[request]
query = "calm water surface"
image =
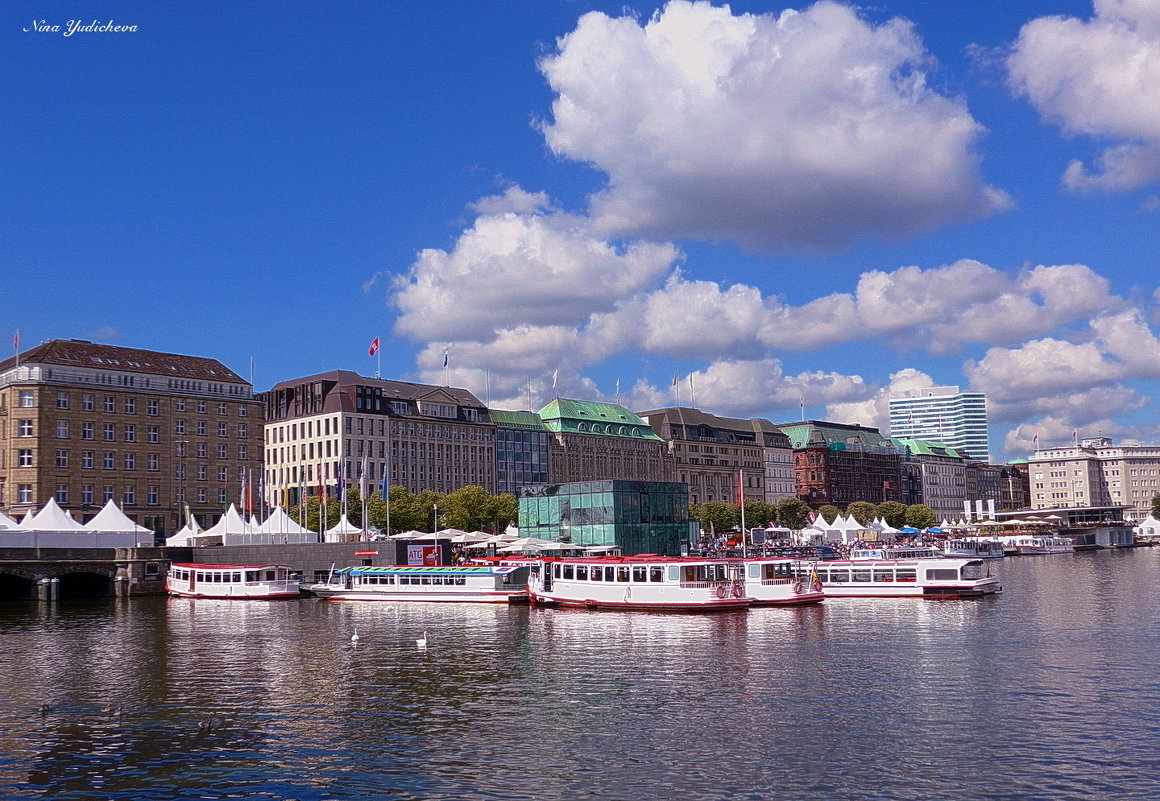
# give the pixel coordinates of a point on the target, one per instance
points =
(1049, 691)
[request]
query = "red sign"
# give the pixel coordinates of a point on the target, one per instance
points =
(423, 555)
(366, 553)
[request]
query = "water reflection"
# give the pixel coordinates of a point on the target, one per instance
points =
(1046, 692)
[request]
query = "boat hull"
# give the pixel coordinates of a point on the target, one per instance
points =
(715, 605)
(421, 597)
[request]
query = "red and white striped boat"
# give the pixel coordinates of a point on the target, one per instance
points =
(644, 582)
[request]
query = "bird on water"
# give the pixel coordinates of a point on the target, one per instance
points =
(422, 643)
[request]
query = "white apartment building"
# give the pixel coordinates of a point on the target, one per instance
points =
(1094, 472)
(943, 415)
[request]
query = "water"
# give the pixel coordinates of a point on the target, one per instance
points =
(1049, 691)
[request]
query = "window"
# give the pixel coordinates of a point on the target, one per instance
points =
(130, 461)
(62, 458)
(152, 463)
(107, 493)
(201, 407)
(62, 429)
(201, 428)
(223, 429)
(107, 460)
(130, 405)
(110, 404)
(151, 407)
(201, 495)
(87, 494)
(24, 428)
(243, 452)
(129, 496)
(87, 460)
(87, 402)
(153, 434)
(62, 400)
(201, 450)
(62, 493)
(26, 400)
(86, 430)
(223, 474)
(179, 405)
(242, 432)
(110, 432)
(201, 472)
(24, 458)
(223, 451)
(223, 496)
(24, 493)
(241, 410)
(152, 495)
(179, 427)
(130, 433)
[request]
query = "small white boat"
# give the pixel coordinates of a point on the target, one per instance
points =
(973, 548)
(775, 582)
(194, 580)
(1035, 544)
(644, 582)
(896, 552)
(492, 584)
(891, 578)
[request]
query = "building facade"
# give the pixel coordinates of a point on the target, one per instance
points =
(942, 475)
(839, 463)
(590, 441)
(635, 516)
(1093, 472)
(943, 415)
(521, 450)
(334, 428)
(86, 423)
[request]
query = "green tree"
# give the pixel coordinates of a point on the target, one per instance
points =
(893, 512)
(828, 513)
(506, 510)
(759, 513)
(717, 516)
(793, 513)
(920, 516)
(1156, 506)
(863, 512)
(468, 509)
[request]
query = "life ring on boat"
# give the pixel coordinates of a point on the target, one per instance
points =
(816, 586)
(797, 588)
(722, 591)
(738, 590)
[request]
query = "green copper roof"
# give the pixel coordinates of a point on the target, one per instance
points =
(920, 447)
(590, 417)
(506, 419)
(835, 436)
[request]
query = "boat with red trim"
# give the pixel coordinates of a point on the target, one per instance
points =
(893, 578)
(775, 582)
(249, 582)
(643, 582)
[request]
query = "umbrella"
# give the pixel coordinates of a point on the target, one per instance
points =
(908, 530)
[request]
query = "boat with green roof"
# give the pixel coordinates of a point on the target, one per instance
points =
(489, 584)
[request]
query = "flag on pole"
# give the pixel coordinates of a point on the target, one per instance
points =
(383, 491)
(362, 479)
(374, 348)
(340, 485)
(445, 355)
(16, 340)
(321, 489)
(555, 377)
(676, 379)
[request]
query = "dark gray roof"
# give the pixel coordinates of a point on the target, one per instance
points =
(81, 353)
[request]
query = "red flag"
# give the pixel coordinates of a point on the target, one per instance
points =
(374, 348)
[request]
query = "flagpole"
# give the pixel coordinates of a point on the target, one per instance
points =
(692, 393)
(741, 501)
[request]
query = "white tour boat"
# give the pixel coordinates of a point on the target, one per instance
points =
(1034, 544)
(645, 582)
(775, 582)
(192, 580)
(973, 548)
(896, 552)
(889, 578)
(494, 584)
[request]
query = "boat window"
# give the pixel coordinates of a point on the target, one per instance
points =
(674, 573)
(425, 580)
(597, 574)
(886, 574)
(251, 575)
(235, 577)
(839, 576)
(610, 574)
(974, 570)
(269, 575)
(639, 573)
(937, 574)
(862, 574)
(622, 574)
(656, 573)
(690, 574)
(581, 572)
(904, 574)
(460, 581)
(556, 570)
(568, 571)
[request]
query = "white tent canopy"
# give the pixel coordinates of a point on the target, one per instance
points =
(52, 518)
(111, 519)
(343, 531)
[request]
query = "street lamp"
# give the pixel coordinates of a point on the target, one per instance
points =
(181, 504)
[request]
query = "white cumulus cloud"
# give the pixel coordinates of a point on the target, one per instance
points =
(808, 129)
(1101, 78)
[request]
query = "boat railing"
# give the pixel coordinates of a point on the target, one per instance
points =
(773, 582)
(705, 585)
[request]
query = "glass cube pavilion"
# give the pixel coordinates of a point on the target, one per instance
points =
(636, 516)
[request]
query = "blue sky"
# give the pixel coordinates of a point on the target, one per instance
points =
(819, 202)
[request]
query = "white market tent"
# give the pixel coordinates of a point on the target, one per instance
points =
(279, 527)
(343, 531)
(53, 527)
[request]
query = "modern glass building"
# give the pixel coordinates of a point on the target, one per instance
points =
(636, 516)
(943, 415)
(521, 450)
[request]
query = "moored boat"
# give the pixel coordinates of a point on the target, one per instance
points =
(891, 578)
(1038, 544)
(973, 548)
(195, 580)
(775, 582)
(896, 552)
(644, 582)
(495, 584)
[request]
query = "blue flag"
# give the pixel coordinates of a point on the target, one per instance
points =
(383, 484)
(340, 487)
